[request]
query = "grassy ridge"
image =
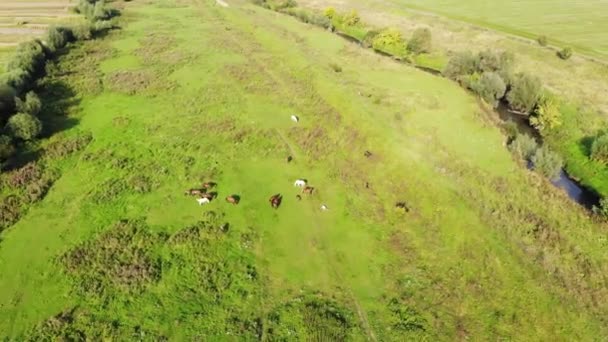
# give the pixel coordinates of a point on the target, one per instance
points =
(486, 251)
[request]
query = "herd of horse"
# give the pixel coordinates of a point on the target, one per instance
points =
(204, 195)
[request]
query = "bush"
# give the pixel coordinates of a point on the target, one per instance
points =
(420, 41)
(351, 19)
(542, 40)
(523, 146)
(490, 87)
(6, 147)
(335, 67)
(10, 211)
(525, 93)
(58, 37)
(462, 63)
(103, 25)
(25, 64)
(602, 208)
(330, 13)
(547, 162)
(24, 126)
(31, 105)
(320, 20)
(565, 53)
(599, 149)
(7, 101)
(493, 61)
(390, 40)
(82, 31)
(546, 116)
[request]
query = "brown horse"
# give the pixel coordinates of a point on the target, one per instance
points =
(208, 195)
(194, 192)
(289, 159)
(308, 190)
(275, 200)
(233, 199)
(208, 185)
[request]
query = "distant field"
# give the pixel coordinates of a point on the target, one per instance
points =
(581, 24)
(21, 20)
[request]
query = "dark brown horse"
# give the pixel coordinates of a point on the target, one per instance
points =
(208, 185)
(233, 199)
(209, 195)
(275, 200)
(289, 159)
(402, 205)
(308, 190)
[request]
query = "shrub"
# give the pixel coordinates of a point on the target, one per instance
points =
(565, 53)
(546, 116)
(58, 37)
(6, 147)
(10, 211)
(31, 105)
(25, 64)
(24, 126)
(64, 147)
(7, 101)
(29, 173)
(547, 162)
(602, 208)
(599, 149)
(351, 18)
(490, 87)
(320, 20)
(329, 13)
(462, 63)
(523, 146)
(420, 41)
(335, 67)
(390, 40)
(82, 31)
(525, 93)
(493, 61)
(542, 40)
(103, 25)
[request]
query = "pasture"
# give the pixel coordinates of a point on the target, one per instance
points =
(189, 91)
(580, 24)
(20, 20)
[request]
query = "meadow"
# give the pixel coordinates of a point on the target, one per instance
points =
(580, 24)
(188, 91)
(21, 20)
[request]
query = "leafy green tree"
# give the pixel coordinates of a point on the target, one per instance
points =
(351, 18)
(82, 31)
(6, 147)
(57, 38)
(525, 93)
(523, 146)
(546, 116)
(599, 149)
(7, 101)
(420, 41)
(547, 162)
(490, 87)
(330, 13)
(461, 64)
(565, 53)
(390, 40)
(31, 105)
(24, 126)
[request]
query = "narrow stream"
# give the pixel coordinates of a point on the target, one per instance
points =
(581, 195)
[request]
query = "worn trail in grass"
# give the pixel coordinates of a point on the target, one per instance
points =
(195, 91)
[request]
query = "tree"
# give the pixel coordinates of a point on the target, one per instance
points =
(420, 41)
(351, 19)
(461, 64)
(7, 101)
(599, 149)
(6, 147)
(490, 87)
(547, 162)
(542, 40)
(546, 116)
(31, 105)
(390, 40)
(82, 31)
(24, 126)
(330, 13)
(523, 146)
(525, 93)
(565, 53)
(56, 38)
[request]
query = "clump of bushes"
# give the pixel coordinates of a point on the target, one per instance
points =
(523, 146)
(525, 93)
(565, 53)
(546, 115)
(7, 149)
(599, 149)
(24, 126)
(390, 40)
(10, 211)
(490, 87)
(542, 40)
(547, 162)
(420, 41)
(351, 18)
(31, 104)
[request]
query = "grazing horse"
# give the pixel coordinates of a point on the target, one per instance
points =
(294, 118)
(402, 205)
(308, 190)
(193, 192)
(289, 159)
(300, 183)
(233, 199)
(208, 195)
(208, 185)
(275, 200)
(323, 207)
(202, 200)
(367, 154)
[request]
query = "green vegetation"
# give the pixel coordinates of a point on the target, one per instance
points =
(547, 115)
(24, 126)
(599, 149)
(523, 146)
(565, 53)
(420, 41)
(525, 93)
(542, 40)
(193, 92)
(547, 162)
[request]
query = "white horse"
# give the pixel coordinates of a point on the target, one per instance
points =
(323, 207)
(202, 201)
(300, 183)
(294, 118)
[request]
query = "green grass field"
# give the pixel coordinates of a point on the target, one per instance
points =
(580, 24)
(188, 91)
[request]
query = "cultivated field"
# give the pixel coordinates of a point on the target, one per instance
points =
(20, 20)
(580, 24)
(189, 91)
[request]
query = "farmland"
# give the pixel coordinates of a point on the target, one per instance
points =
(188, 92)
(581, 24)
(20, 20)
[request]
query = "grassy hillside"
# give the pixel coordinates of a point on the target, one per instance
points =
(189, 91)
(580, 24)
